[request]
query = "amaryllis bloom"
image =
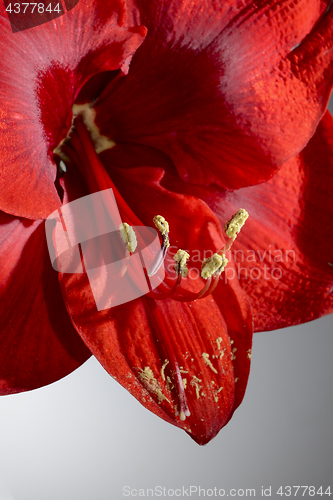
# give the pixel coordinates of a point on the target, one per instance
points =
(188, 111)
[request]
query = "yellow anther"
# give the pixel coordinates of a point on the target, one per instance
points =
(181, 258)
(128, 236)
(214, 265)
(235, 224)
(163, 228)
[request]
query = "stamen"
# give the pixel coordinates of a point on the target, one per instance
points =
(187, 296)
(181, 258)
(81, 151)
(181, 269)
(158, 261)
(213, 266)
(128, 236)
(211, 285)
(163, 228)
(168, 294)
(232, 228)
(216, 267)
(235, 224)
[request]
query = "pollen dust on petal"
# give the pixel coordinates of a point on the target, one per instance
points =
(147, 378)
(219, 341)
(170, 385)
(216, 394)
(208, 362)
(195, 382)
(163, 368)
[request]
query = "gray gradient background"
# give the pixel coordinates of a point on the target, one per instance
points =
(85, 437)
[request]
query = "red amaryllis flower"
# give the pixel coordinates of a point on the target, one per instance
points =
(213, 113)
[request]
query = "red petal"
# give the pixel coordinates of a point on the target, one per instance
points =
(192, 227)
(284, 255)
(127, 339)
(38, 344)
(42, 71)
(222, 89)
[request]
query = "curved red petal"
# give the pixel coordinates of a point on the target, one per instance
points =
(284, 258)
(222, 89)
(38, 344)
(196, 229)
(124, 340)
(42, 70)
(127, 339)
